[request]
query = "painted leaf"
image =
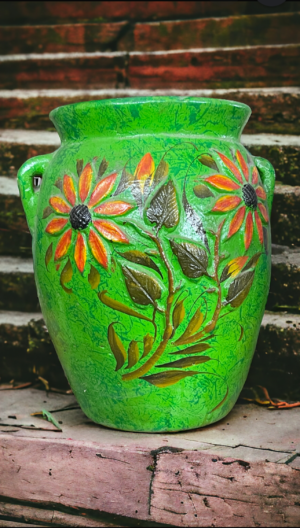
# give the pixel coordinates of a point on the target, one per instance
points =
(116, 347)
(233, 268)
(47, 211)
(79, 166)
(221, 402)
(200, 347)
(192, 259)
(202, 191)
(138, 257)
(133, 354)
(242, 333)
(178, 314)
(49, 254)
(125, 182)
(148, 344)
(66, 276)
(253, 261)
(102, 168)
(94, 278)
(163, 208)
(208, 161)
(137, 195)
(161, 173)
(239, 289)
(185, 362)
(120, 307)
(193, 326)
(194, 220)
(59, 184)
(144, 170)
(169, 377)
(142, 288)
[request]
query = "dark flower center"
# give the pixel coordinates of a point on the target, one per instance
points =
(80, 217)
(249, 196)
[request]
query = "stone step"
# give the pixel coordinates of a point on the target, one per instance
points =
(274, 110)
(230, 31)
(27, 352)
(237, 67)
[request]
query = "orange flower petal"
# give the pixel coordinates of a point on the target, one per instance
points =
(236, 265)
(69, 189)
(98, 249)
(110, 231)
(113, 208)
(85, 181)
(56, 225)
(248, 230)
(59, 205)
(259, 227)
(222, 182)
(243, 164)
(231, 166)
(261, 193)
(80, 252)
(63, 245)
(226, 203)
(102, 189)
(237, 221)
(255, 176)
(264, 212)
(144, 169)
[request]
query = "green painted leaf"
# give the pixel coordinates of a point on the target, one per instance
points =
(79, 167)
(200, 347)
(161, 173)
(148, 344)
(59, 184)
(133, 354)
(239, 289)
(163, 209)
(49, 254)
(102, 168)
(125, 182)
(138, 257)
(208, 161)
(48, 416)
(120, 307)
(202, 191)
(66, 276)
(192, 259)
(47, 211)
(194, 220)
(116, 346)
(185, 362)
(169, 377)
(178, 314)
(94, 278)
(253, 261)
(142, 288)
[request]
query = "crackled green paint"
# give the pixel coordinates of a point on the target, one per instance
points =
(124, 373)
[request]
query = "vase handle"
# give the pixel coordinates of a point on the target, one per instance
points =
(267, 173)
(29, 192)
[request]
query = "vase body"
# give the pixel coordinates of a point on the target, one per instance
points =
(151, 248)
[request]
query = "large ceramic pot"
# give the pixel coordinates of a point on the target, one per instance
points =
(151, 248)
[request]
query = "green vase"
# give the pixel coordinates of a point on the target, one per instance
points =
(151, 249)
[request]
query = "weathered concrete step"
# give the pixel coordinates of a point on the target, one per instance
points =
(27, 352)
(231, 31)
(17, 286)
(252, 66)
(274, 110)
(285, 281)
(62, 12)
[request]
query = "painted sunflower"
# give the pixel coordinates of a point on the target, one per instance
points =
(80, 210)
(248, 198)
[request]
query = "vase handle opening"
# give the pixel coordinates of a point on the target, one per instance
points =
(267, 174)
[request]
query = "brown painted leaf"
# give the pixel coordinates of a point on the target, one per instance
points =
(47, 211)
(125, 182)
(185, 362)
(208, 161)
(148, 344)
(120, 307)
(142, 288)
(94, 278)
(161, 173)
(170, 377)
(138, 257)
(116, 346)
(202, 191)
(163, 209)
(79, 167)
(194, 220)
(221, 402)
(239, 289)
(200, 347)
(66, 276)
(242, 333)
(192, 259)
(59, 184)
(49, 254)
(133, 354)
(253, 261)
(102, 168)
(193, 326)
(178, 314)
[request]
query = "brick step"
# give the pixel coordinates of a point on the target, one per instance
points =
(63, 12)
(239, 67)
(27, 352)
(274, 110)
(154, 36)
